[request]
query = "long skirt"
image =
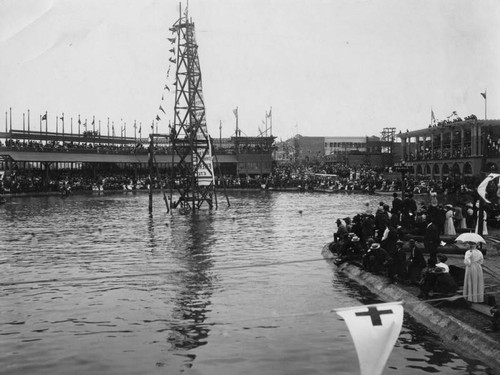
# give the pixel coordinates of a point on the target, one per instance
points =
(474, 283)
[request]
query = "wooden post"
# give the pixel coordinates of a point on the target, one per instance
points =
(150, 161)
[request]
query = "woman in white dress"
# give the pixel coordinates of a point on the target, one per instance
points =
(474, 279)
(449, 226)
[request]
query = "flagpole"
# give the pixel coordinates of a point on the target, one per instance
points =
(71, 120)
(57, 124)
(79, 123)
(23, 124)
(28, 121)
(62, 120)
(485, 104)
(6, 122)
(99, 131)
(10, 109)
(220, 133)
(271, 121)
(40, 125)
(46, 127)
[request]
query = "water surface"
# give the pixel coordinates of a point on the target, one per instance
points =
(95, 284)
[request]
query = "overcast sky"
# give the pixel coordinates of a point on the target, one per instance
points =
(327, 68)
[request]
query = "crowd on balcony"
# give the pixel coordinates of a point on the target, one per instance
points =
(104, 148)
(454, 152)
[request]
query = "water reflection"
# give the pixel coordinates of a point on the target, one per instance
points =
(192, 248)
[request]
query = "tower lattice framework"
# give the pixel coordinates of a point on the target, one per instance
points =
(193, 174)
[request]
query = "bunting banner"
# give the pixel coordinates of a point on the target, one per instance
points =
(481, 189)
(374, 330)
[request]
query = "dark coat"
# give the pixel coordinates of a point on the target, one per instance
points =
(397, 205)
(431, 238)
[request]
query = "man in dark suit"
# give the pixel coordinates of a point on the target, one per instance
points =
(397, 203)
(432, 240)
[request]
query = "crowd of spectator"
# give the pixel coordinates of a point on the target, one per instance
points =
(374, 241)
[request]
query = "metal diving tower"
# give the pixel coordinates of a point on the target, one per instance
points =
(193, 175)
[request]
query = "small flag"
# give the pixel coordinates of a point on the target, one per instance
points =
(44, 117)
(269, 114)
(374, 330)
(79, 122)
(173, 29)
(483, 94)
(433, 118)
(235, 111)
(172, 50)
(161, 109)
(158, 118)
(171, 60)
(140, 128)
(167, 88)
(62, 118)
(171, 40)
(93, 121)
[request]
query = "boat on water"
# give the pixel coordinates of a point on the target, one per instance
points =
(389, 193)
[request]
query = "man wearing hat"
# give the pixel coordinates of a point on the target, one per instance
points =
(432, 240)
(341, 231)
(416, 263)
(352, 252)
(375, 259)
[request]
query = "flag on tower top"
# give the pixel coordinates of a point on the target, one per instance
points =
(374, 330)
(44, 117)
(483, 94)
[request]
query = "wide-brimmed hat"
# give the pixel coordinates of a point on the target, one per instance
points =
(375, 246)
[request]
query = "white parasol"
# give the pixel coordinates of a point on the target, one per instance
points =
(470, 237)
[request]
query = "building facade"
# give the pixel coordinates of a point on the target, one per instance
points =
(454, 149)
